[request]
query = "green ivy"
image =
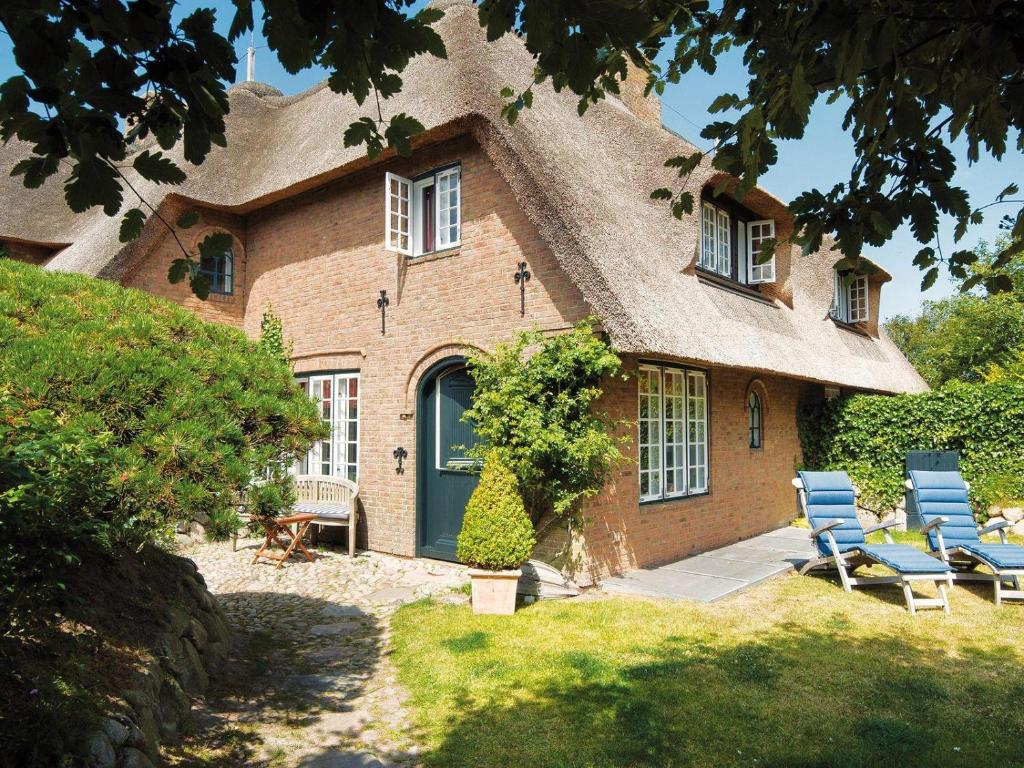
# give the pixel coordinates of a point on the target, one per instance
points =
(535, 400)
(869, 437)
(272, 339)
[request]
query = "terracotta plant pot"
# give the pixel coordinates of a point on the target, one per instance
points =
(494, 592)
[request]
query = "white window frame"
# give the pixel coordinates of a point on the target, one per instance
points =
(676, 443)
(397, 234)
(858, 301)
(850, 302)
(408, 228)
(716, 240)
(759, 273)
(443, 230)
(709, 240)
(344, 424)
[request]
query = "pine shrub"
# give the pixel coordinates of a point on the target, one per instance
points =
(496, 532)
(122, 414)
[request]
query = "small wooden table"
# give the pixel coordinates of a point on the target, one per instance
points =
(279, 526)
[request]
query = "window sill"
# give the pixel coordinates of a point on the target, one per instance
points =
(728, 284)
(225, 298)
(668, 499)
(857, 328)
(455, 250)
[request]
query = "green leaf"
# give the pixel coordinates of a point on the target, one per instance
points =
(180, 269)
(188, 219)
(929, 278)
(200, 285)
(132, 224)
(93, 182)
(158, 168)
(215, 244)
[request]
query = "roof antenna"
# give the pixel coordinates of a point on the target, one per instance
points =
(250, 59)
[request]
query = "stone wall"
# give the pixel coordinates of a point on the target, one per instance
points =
(154, 706)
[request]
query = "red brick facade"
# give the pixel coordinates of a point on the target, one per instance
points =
(319, 260)
(749, 489)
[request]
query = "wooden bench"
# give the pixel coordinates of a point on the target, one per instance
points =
(333, 501)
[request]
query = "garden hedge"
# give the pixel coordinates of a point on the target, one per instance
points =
(870, 435)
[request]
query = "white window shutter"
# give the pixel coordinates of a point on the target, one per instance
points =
(757, 233)
(397, 212)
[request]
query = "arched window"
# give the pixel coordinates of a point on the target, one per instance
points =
(754, 411)
(219, 268)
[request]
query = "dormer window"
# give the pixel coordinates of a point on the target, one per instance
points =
(850, 297)
(423, 215)
(730, 244)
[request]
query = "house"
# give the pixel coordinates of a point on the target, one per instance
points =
(387, 272)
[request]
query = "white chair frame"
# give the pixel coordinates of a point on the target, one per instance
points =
(958, 557)
(845, 564)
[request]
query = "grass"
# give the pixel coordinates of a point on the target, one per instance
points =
(791, 673)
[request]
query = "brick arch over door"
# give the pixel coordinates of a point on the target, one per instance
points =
(427, 361)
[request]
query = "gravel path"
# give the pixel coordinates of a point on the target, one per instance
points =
(310, 684)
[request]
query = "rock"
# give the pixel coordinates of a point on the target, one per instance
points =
(200, 517)
(195, 680)
(1014, 514)
(215, 626)
(338, 628)
(175, 710)
(994, 510)
(197, 634)
(177, 620)
(214, 655)
(117, 732)
(133, 758)
(100, 752)
(392, 595)
(1018, 529)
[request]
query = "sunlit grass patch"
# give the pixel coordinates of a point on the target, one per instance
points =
(793, 672)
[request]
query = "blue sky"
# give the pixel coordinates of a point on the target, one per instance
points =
(822, 158)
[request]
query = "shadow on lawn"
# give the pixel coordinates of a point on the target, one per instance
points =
(284, 691)
(792, 698)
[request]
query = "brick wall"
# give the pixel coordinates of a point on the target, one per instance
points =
(150, 274)
(750, 489)
(319, 260)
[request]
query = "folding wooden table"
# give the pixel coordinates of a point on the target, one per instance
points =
(278, 527)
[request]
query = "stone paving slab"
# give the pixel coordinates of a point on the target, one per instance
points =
(720, 572)
(709, 565)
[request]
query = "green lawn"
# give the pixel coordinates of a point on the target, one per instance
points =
(792, 673)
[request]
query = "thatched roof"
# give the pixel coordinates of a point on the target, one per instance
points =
(585, 183)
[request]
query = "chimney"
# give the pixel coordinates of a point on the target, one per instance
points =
(631, 91)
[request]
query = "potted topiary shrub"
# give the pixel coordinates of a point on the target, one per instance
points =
(496, 538)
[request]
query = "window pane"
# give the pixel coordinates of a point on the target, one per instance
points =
(697, 430)
(675, 431)
(708, 232)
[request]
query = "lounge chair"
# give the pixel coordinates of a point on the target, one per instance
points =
(828, 501)
(955, 537)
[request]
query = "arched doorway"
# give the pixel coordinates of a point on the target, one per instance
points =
(445, 478)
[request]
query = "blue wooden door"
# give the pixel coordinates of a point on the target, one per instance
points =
(448, 477)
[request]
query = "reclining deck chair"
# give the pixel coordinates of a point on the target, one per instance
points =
(827, 499)
(954, 536)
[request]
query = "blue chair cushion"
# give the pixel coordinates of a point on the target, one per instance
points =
(829, 496)
(1002, 556)
(902, 558)
(330, 509)
(944, 494)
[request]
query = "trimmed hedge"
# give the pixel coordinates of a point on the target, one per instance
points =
(496, 532)
(869, 436)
